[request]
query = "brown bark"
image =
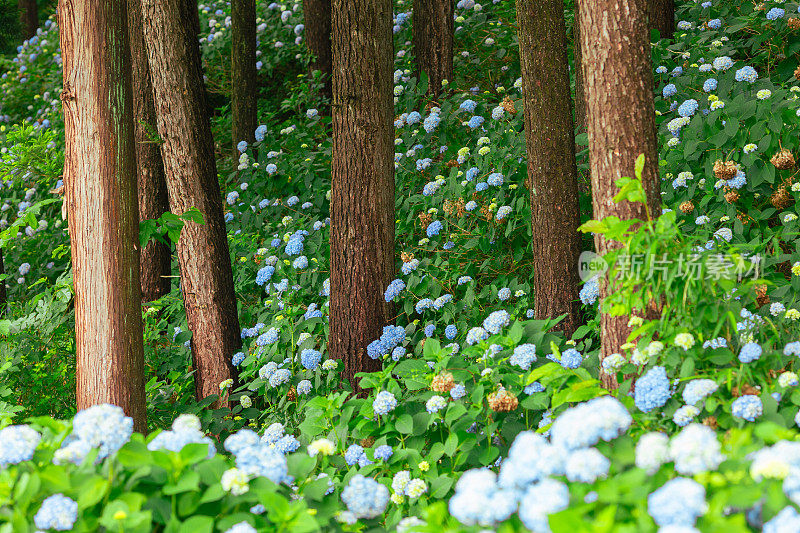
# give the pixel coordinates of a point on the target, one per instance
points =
(433, 42)
(155, 261)
(580, 97)
(28, 17)
(362, 180)
(3, 293)
(244, 78)
(662, 17)
(100, 185)
(191, 172)
(317, 20)
(550, 142)
(618, 75)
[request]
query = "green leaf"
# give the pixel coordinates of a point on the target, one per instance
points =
(404, 424)
(639, 166)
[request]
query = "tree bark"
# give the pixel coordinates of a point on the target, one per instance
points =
(155, 262)
(552, 173)
(362, 179)
(432, 37)
(170, 31)
(317, 20)
(28, 17)
(244, 78)
(100, 185)
(662, 17)
(618, 75)
(580, 97)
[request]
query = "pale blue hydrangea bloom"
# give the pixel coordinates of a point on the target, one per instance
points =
(57, 512)
(365, 497)
(652, 389)
(679, 501)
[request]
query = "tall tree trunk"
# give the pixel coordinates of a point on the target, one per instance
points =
(3, 293)
(618, 74)
(100, 185)
(433, 41)
(362, 180)
(317, 19)
(550, 141)
(155, 261)
(28, 17)
(244, 78)
(170, 31)
(662, 17)
(580, 97)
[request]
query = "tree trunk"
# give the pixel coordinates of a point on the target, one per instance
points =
(155, 261)
(550, 141)
(580, 97)
(618, 75)
(362, 180)
(433, 42)
(3, 293)
(662, 17)
(100, 185)
(170, 31)
(28, 17)
(317, 19)
(244, 78)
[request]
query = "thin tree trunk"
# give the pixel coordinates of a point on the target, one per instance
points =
(618, 74)
(317, 19)
(662, 17)
(244, 78)
(100, 185)
(155, 262)
(170, 30)
(550, 141)
(3, 293)
(433, 41)
(28, 17)
(362, 178)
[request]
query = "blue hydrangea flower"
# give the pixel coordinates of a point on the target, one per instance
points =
(17, 444)
(458, 391)
(434, 228)
(652, 389)
(384, 403)
(310, 359)
(429, 329)
(792, 348)
(688, 108)
(590, 291)
(468, 106)
(475, 121)
(394, 289)
(679, 502)
(586, 466)
(450, 332)
(747, 74)
(383, 452)
(504, 294)
(669, 90)
(710, 85)
(57, 512)
(264, 274)
(748, 407)
(775, 13)
(697, 390)
(496, 321)
(750, 352)
(365, 497)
